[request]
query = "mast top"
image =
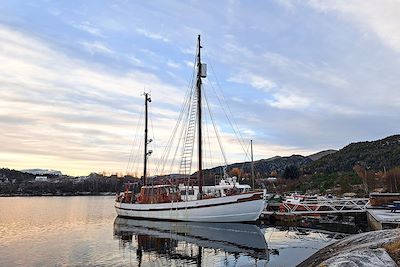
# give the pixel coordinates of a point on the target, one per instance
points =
(202, 67)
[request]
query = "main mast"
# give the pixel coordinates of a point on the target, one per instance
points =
(200, 155)
(146, 141)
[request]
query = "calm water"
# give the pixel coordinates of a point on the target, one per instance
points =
(84, 231)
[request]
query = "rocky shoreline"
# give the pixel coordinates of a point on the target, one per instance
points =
(365, 250)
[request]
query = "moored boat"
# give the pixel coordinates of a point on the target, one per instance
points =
(224, 204)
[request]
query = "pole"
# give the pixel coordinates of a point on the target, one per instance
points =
(146, 100)
(200, 154)
(252, 163)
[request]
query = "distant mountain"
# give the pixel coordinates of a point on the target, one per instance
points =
(273, 158)
(17, 175)
(265, 166)
(321, 154)
(42, 172)
(375, 155)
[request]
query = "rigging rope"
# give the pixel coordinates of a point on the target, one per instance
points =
(233, 124)
(153, 142)
(163, 160)
(215, 130)
(134, 144)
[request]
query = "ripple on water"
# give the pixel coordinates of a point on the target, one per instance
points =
(81, 231)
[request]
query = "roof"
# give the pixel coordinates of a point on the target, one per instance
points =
(157, 186)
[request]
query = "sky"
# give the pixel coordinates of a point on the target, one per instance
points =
(297, 77)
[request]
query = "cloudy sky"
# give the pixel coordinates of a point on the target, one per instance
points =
(298, 76)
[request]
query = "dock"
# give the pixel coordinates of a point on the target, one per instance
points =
(331, 206)
(376, 210)
(380, 219)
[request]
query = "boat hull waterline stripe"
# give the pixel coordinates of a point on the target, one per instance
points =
(255, 197)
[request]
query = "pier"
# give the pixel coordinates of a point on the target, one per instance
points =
(329, 206)
(377, 211)
(379, 219)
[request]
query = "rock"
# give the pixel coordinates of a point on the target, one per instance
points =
(366, 258)
(363, 249)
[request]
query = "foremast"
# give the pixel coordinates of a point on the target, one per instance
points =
(147, 99)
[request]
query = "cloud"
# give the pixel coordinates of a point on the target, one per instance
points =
(86, 26)
(135, 60)
(96, 48)
(324, 74)
(380, 17)
(289, 100)
(237, 99)
(70, 114)
(258, 82)
(189, 64)
(173, 64)
(152, 35)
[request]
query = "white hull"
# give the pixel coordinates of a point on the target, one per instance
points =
(245, 207)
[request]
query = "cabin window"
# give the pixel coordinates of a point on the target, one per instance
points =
(191, 192)
(173, 189)
(183, 192)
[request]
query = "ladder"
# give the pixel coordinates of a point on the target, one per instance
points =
(188, 143)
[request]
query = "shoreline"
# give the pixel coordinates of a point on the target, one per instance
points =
(60, 195)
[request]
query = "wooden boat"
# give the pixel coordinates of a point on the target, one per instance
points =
(165, 202)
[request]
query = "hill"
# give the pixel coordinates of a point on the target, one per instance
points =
(264, 167)
(42, 172)
(321, 154)
(374, 155)
(17, 175)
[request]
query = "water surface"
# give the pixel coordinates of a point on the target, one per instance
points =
(84, 231)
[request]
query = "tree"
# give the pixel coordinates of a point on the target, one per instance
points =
(362, 173)
(235, 172)
(291, 172)
(393, 179)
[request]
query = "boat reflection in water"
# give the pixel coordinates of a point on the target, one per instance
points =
(192, 243)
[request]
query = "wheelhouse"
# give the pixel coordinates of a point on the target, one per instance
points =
(159, 194)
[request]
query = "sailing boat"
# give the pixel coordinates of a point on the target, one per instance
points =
(164, 202)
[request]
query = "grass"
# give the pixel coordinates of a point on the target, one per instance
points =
(394, 250)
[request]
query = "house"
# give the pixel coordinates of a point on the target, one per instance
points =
(41, 178)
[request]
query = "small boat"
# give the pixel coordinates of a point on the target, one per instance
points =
(229, 237)
(165, 202)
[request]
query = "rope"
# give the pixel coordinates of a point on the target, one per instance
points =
(222, 102)
(216, 130)
(163, 160)
(134, 144)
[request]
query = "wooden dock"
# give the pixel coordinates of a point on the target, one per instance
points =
(380, 219)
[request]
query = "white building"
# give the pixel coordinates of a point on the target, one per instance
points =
(41, 178)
